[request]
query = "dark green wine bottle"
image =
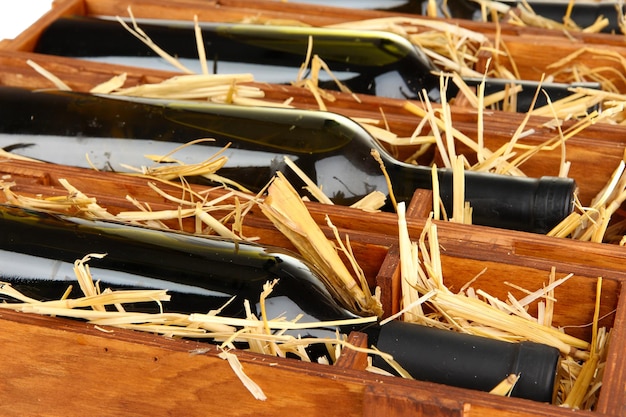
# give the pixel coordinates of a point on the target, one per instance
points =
(334, 151)
(37, 252)
(368, 62)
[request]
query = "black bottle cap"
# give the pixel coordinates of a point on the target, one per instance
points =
(469, 361)
(554, 201)
(536, 365)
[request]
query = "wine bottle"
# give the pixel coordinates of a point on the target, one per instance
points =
(334, 151)
(584, 13)
(37, 251)
(368, 62)
(528, 99)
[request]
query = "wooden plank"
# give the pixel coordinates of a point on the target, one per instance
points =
(59, 367)
(26, 40)
(352, 359)
(391, 402)
(613, 398)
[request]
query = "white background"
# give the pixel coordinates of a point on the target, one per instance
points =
(17, 15)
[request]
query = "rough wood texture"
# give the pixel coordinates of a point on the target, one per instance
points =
(71, 369)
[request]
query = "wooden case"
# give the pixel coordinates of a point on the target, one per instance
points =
(594, 153)
(61, 367)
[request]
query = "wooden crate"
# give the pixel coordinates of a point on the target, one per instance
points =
(58, 367)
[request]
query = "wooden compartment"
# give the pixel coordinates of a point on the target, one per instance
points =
(63, 367)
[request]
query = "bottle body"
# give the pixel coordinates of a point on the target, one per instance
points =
(368, 62)
(334, 151)
(203, 273)
(584, 13)
(527, 99)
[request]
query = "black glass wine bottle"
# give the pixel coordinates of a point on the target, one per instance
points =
(368, 62)
(37, 252)
(334, 151)
(584, 13)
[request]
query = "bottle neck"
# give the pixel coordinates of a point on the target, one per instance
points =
(468, 361)
(519, 203)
